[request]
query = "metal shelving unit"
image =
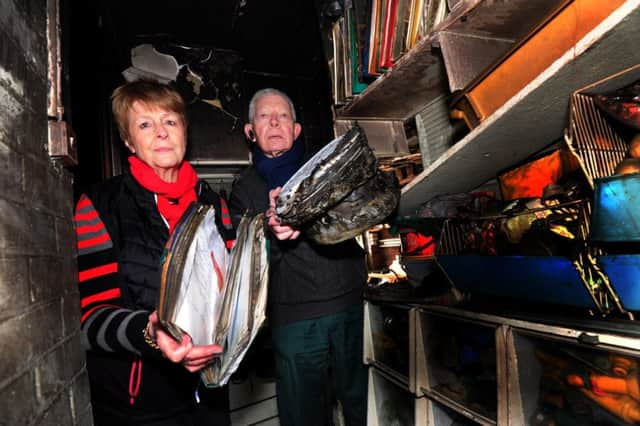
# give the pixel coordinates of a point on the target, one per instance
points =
(536, 116)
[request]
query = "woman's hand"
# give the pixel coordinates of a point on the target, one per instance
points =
(192, 357)
(282, 232)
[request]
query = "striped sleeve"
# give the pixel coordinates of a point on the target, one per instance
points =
(106, 325)
(91, 233)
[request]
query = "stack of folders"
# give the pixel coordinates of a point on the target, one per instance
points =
(214, 296)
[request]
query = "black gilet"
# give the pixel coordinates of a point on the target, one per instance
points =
(139, 234)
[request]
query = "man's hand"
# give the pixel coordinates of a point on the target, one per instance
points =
(192, 357)
(282, 232)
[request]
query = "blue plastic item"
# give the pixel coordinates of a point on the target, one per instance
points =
(616, 209)
(543, 279)
(623, 271)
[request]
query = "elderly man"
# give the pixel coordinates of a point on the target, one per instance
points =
(315, 292)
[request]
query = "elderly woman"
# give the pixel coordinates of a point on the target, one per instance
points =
(138, 374)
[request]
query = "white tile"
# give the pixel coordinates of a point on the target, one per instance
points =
(253, 402)
(249, 391)
(260, 413)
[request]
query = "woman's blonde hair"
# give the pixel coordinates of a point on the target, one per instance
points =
(147, 92)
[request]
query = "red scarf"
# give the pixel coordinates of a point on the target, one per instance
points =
(173, 198)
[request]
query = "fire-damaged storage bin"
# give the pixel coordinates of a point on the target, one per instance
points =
(533, 255)
(591, 275)
(458, 365)
(477, 368)
(616, 217)
(615, 233)
(615, 230)
(391, 403)
(599, 141)
(603, 125)
(389, 343)
(546, 43)
(570, 376)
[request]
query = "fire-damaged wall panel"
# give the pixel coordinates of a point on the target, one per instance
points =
(210, 81)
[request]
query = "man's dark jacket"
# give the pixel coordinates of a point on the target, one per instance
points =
(307, 280)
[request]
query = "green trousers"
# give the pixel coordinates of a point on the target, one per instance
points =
(316, 359)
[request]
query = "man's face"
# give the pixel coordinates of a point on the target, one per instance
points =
(273, 125)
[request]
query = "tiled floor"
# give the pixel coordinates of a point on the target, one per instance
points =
(253, 402)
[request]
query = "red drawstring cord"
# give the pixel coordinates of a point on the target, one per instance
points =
(136, 371)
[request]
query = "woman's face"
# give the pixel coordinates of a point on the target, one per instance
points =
(157, 137)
